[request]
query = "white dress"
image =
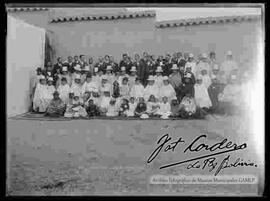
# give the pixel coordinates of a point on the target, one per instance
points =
(151, 90)
(90, 86)
(206, 80)
(50, 91)
(159, 80)
(137, 91)
(105, 87)
(164, 109)
(105, 102)
(41, 99)
(77, 89)
(132, 107)
(64, 92)
(201, 96)
(168, 91)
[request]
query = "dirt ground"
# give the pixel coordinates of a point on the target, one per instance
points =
(108, 157)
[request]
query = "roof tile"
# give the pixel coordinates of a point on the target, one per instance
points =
(206, 20)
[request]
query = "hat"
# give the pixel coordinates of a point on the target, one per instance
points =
(77, 76)
(50, 79)
(213, 76)
(55, 92)
(78, 67)
(42, 77)
(204, 55)
(133, 69)
(215, 67)
(95, 69)
(174, 67)
(165, 78)
(123, 68)
(64, 69)
(190, 55)
(188, 75)
(104, 77)
(159, 69)
(39, 69)
(199, 77)
(109, 68)
(151, 77)
(233, 77)
(144, 116)
(229, 53)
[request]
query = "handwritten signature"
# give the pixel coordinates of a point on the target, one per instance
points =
(225, 146)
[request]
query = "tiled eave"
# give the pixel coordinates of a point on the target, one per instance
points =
(113, 16)
(26, 9)
(206, 20)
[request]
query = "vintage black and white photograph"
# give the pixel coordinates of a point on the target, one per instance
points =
(135, 100)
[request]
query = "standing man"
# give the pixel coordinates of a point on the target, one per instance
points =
(114, 65)
(83, 62)
(175, 79)
(181, 62)
(142, 70)
(58, 65)
(167, 65)
(69, 64)
(212, 59)
(75, 61)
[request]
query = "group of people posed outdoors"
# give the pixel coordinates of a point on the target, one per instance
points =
(176, 85)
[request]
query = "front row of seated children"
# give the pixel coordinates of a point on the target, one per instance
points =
(92, 105)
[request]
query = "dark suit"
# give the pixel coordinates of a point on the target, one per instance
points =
(56, 67)
(142, 71)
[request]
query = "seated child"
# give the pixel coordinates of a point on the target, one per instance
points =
(140, 108)
(112, 110)
(152, 106)
(188, 108)
(124, 88)
(164, 108)
(174, 108)
(77, 109)
(105, 102)
(56, 107)
(69, 112)
(116, 90)
(86, 98)
(92, 109)
(132, 107)
(95, 97)
(124, 107)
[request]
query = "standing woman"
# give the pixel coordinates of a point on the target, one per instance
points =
(40, 102)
